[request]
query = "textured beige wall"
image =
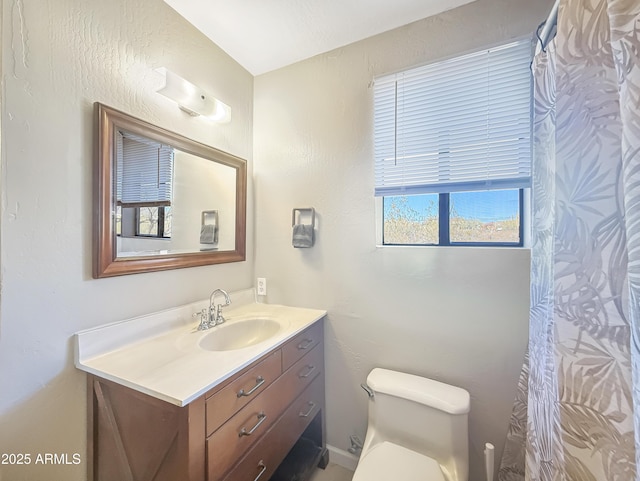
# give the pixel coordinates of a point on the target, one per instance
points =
(58, 57)
(457, 315)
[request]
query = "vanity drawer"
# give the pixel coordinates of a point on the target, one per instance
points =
(236, 436)
(239, 392)
(304, 408)
(262, 460)
(301, 344)
(302, 373)
(226, 445)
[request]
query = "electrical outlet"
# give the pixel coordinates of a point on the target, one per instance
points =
(262, 286)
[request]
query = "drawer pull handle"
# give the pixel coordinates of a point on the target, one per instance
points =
(306, 344)
(259, 382)
(264, 468)
(312, 406)
(244, 432)
(308, 373)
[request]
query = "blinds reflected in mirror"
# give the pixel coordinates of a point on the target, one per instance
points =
(144, 171)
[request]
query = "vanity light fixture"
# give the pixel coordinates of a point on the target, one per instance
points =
(193, 99)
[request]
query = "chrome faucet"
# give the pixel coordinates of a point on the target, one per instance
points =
(213, 316)
(215, 310)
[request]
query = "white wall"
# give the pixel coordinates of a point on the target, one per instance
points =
(458, 315)
(58, 57)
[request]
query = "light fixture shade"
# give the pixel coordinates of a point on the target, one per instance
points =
(193, 99)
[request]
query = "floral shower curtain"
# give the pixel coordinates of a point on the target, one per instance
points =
(577, 414)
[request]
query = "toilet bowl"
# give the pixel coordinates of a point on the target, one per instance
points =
(417, 430)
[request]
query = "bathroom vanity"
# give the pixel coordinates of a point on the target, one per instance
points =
(195, 414)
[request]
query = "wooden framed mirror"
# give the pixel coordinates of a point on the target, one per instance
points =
(154, 194)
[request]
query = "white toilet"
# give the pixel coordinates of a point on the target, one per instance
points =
(418, 430)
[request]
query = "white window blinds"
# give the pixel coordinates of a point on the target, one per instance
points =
(144, 171)
(457, 125)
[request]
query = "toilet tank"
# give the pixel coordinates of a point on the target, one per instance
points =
(423, 415)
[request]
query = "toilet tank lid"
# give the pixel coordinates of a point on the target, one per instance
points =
(450, 399)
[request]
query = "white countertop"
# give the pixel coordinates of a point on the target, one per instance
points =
(159, 354)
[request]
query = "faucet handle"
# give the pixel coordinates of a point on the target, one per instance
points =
(219, 318)
(204, 319)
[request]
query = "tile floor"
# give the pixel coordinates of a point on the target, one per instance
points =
(333, 472)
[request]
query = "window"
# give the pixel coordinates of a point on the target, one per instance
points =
(153, 221)
(453, 149)
(144, 187)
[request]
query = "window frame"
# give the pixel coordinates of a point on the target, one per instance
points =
(161, 223)
(444, 224)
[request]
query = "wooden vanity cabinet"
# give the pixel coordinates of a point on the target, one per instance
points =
(223, 403)
(135, 437)
(241, 430)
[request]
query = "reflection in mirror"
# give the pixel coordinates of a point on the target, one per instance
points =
(209, 228)
(161, 194)
(164, 201)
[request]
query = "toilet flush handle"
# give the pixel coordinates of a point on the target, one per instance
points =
(367, 389)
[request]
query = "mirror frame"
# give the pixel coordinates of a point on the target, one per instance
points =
(106, 263)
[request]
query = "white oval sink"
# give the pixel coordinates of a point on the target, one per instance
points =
(239, 334)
